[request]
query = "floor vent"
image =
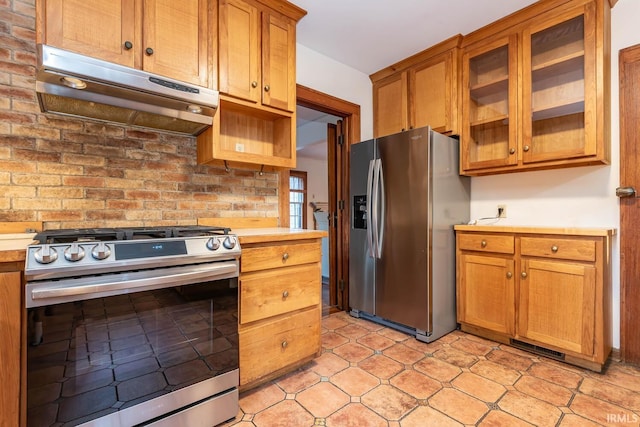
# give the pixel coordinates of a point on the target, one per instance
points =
(538, 350)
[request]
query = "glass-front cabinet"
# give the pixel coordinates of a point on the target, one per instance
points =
(558, 67)
(491, 99)
(537, 96)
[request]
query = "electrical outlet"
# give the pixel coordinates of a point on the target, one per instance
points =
(502, 211)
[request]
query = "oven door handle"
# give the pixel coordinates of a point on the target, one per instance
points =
(60, 291)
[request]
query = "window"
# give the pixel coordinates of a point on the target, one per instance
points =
(297, 199)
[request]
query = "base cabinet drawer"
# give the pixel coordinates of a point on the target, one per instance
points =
(274, 345)
(281, 255)
(272, 292)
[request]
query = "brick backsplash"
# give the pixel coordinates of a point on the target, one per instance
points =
(79, 173)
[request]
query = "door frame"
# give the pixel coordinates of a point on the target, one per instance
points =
(350, 114)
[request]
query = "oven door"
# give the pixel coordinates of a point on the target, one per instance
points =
(129, 348)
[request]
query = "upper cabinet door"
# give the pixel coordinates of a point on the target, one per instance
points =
(559, 63)
(103, 29)
(278, 62)
(390, 105)
(433, 93)
(490, 95)
(239, 61)
(176, 39)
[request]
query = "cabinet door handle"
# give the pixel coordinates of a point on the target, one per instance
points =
(284, 344)
(285, 256)
(483, 243)
(267, 88)
(512, 151)
(509, 275)
(254, 84)
(554, 249)
(525, 148)
(285, 294)
(148, 51)
(524, 274)
(128, 45)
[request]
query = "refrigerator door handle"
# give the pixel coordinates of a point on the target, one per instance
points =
(370, 248)
(380, 226)
(374, 214)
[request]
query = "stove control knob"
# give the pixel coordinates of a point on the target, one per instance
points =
(229, 242)
(73, 253)
(100, 251)
(45, 255)
(213, 244)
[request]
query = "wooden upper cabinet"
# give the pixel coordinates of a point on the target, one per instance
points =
(164, 37)
(176, 39)
(239, 54)
(278, 62)
(490, 100)
(559, 70)
(257, 54)
(551, 109)
(96, 28)
(390, 105)
(421, 90)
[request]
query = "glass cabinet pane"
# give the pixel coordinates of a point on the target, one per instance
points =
(489, 105)
(557, 91)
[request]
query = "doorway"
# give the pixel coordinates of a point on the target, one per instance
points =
(339, 136)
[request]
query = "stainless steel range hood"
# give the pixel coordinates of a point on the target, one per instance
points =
(77, 85)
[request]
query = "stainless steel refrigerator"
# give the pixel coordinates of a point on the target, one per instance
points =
(406, 195)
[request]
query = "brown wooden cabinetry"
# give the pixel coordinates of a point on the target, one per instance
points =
(11, 320)
(535, 89)
(419, 91)
(165, 37)
(280, 307)
(541, 289)
(256, 119)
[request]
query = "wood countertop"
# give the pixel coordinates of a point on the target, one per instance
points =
(13, 246)
(569, 231)
(275, 234)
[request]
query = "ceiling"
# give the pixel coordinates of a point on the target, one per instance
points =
(369, 35)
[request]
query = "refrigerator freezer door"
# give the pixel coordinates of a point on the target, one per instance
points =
(402, 272)
(361, 255)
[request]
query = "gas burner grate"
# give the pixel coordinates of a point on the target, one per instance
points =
(128, 233)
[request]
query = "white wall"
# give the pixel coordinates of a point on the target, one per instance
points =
(319, 72)
(573, 197)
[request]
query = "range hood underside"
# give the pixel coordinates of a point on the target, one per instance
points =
(57, 99)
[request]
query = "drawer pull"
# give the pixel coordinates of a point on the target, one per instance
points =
(554, 249)
(524, 274)
(509, 275)
(483, 243)
(285, 256)
(284, 344)
(285, 294)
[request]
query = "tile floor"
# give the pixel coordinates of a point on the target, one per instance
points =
(369, 375)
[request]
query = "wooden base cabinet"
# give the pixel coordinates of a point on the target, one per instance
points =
(280, 308)
(541, 289)
(12, 348)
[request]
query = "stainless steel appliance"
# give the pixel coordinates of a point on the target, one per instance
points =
(132, 326)
(406, 195)
(77, 85)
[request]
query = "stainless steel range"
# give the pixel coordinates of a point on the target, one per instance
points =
(132, 326)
